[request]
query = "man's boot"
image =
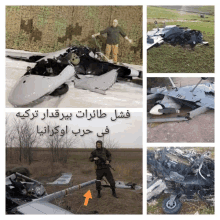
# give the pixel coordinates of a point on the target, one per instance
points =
(99, 194)
(114, 193)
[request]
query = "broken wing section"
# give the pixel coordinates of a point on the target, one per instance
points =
(38, 207)
(98, 84)
(33, 56)
(155, 40)
(42, 205)
(23, 55)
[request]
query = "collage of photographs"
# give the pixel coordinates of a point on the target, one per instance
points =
(101, 120)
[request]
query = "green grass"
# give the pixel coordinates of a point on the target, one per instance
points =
(43, 16)
(20, 40)
(170, 14)
(210, 9)
(207, 210)
(170, 59)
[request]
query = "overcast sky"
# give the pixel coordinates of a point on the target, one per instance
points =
(127, 132)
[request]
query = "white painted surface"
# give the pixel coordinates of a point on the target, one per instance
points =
(64, 179)
(122, 94)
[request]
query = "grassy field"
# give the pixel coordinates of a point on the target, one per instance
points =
(170, 59)
(207, 8)
(154, 206)
(126, 162)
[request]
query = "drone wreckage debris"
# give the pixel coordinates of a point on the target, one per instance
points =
(174, 34)
(180, 173)
(200, 98)
(28, 196)
(54, 70)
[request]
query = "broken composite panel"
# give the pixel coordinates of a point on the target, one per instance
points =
(54, 71)
(28, 196)
(174, 34)
(200, 98)
(182, 174)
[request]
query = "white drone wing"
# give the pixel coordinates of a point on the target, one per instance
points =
(39, 207)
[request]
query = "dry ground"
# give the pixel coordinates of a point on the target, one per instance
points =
(128, 166)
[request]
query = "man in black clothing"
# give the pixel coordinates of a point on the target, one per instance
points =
(113, 32)
(102, 158)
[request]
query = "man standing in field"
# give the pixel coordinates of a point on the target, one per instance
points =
(113, 33)
(102, 158)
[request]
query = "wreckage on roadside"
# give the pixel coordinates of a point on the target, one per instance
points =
(53, 71)
(174, 34)
(200, 98)
(182, 174)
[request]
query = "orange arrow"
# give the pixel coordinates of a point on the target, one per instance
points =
(87, 196)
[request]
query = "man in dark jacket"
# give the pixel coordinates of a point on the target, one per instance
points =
(102, 158)
(113, 32)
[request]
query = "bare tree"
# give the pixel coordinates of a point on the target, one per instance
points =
(67, 142)
(108, 142)
(27, 139)
(9, 138)
(59, 145)
(54, 143)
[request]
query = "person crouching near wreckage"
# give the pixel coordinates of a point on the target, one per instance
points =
(113, 33)
(102, 158)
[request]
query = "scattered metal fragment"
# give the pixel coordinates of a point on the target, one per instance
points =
(122, 185)
(174, 34)
(180, 173)
(98, 84)
(155, 187)
(200, 98)
(53, 72)
(64, 179)
(30, 197)
(160, 120)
